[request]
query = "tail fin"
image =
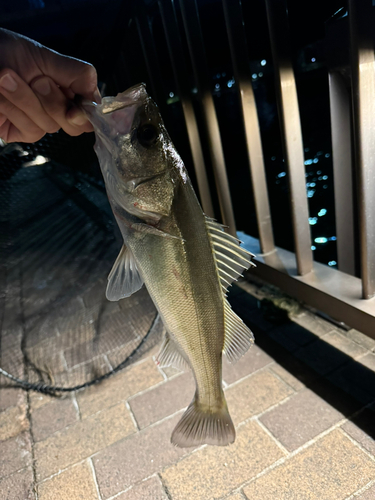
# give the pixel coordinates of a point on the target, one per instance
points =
(199, 426)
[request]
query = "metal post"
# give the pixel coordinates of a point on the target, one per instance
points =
(339, 99)
(363, 94)
(180, 74)
(197, 53)
(242, 74)
(291, 131)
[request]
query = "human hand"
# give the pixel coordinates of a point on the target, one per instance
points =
(37, 88)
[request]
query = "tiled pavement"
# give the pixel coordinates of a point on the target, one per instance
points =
(302, 400)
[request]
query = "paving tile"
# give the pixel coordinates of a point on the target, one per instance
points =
(300, 419)
(357, 380)
(147, 490)
(252, 361)
(75, 330)
(360, 338)
(52, 417)
(345, 345)
(255, 394)
(118, 355)
(292, 336)
(37, 400)
(83, 373)
(13, 421)
(139, 456)
(245, 300)
(81, 440)
(76, 483)
(332, 468)
(171, 371)
(362, 429)
(11, 396)
(236, 496)
(368, 494)
(254, 318)
(213, 472)
(82, 353)
(118, 388)
(288, 377)
(164, 400)
(313, 323)
(321, 356)
(18, 486)
(95, 295)
(369, 361)
(15, 454)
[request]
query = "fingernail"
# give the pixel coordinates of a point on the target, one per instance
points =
(97, 96)
(79, 120)
(8, 83)
(42, 86)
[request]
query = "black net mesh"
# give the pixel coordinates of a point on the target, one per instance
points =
(58, 241)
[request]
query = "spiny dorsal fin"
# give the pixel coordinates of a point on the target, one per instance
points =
(238, 337)
(124, 279)
(169, 355)
(231, 258)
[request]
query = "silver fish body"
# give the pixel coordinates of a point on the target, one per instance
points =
(184, 258)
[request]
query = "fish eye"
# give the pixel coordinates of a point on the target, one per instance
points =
(147, 135)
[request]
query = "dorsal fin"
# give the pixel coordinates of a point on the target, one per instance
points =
(231, 259)
(238, 337)
(124, 279)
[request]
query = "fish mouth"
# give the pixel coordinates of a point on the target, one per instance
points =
(126, 99)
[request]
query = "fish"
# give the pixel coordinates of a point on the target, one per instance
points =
(185, 259)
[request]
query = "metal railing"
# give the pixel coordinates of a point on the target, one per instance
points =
(336, 292)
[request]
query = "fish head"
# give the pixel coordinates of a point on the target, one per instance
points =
(140, 165)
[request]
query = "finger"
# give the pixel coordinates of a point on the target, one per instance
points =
(19, 93)
(3, 119)
(17, 127)
(71, 73)
(59, 107)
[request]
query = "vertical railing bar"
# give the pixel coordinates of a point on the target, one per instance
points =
(197, 53)
(291, 131)
(151, 59)
(180, 74)
(363, 95)
(242, 75)
(339, 99)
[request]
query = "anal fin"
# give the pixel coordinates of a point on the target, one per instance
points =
(238, 337)
(169, 355)
(124, 278)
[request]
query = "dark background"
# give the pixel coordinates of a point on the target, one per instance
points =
(105, 34)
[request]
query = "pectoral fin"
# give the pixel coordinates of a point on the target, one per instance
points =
(124, 279)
